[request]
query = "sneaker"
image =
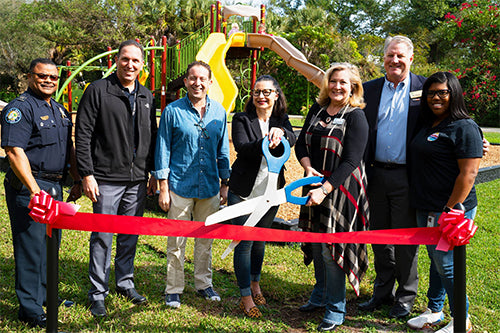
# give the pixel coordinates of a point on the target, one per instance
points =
(209, 294)
(449, 328)
(173, 300)
(426, 319)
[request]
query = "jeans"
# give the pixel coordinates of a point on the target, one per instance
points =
(318, 295)
(441, 268)
(335, 289)
(249, 255)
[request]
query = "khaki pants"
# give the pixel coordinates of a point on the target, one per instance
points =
(188, 209)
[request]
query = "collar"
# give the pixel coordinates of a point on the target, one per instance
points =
(403, 83)
(136, 87)
(207, 103)
(38, 100)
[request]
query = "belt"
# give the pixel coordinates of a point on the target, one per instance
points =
(388, 166)
(52, 176)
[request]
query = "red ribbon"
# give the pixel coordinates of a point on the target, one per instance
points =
(44, 209)
(455, 230)
(62, 215)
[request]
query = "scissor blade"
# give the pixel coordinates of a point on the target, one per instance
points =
(242, 208)
(230, 248)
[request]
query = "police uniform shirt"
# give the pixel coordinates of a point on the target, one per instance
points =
(42, 130)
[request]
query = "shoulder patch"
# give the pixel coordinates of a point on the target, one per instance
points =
(13, 116)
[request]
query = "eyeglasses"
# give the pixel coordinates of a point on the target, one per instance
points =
(45, 76)
(203, 129)
(441, 93)
(265, 92)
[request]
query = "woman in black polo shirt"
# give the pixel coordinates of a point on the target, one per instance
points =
(445, 158)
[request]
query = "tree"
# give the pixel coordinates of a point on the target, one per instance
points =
(18, 47)
(470, 45)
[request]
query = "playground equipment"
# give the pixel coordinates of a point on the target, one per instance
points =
(210, 45)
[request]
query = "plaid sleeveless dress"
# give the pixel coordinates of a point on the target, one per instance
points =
(345, 209)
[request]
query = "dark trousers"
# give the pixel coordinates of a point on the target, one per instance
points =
(115, 199)
(30, 247)
(388, 193)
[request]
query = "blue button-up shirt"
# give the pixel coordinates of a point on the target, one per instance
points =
(191, 152)
(392, 122)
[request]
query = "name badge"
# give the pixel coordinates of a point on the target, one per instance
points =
(338, 121)
(415, 94)
(431, 218)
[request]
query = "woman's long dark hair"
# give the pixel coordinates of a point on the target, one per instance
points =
(279, 108)
(457, 104)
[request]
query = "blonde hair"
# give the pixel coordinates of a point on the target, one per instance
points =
(356, 98)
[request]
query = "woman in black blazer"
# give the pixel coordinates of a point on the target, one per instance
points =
(265, 115)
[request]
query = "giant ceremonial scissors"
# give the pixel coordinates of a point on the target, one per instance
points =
(258, 207)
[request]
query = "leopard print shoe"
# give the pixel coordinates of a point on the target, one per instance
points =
(259, 300)
(254, 312)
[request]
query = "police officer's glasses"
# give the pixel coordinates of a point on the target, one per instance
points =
(441, 93)
(265, 92)
(45, 76)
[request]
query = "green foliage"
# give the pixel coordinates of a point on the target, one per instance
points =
(322, 48)
(286, 283)
(471, 43)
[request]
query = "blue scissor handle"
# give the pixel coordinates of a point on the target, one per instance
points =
(299, 183)
(274, 163)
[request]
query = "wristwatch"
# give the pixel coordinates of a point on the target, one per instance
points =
(446, 209)
(325, 191)
(224, 181)
(77, 182)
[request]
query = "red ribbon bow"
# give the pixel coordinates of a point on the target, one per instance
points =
(44, 209)
(455, 230)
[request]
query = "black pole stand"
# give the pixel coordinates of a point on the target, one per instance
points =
(52, 281)
(459, 285)
(459, 290)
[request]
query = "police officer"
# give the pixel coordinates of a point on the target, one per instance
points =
(36, 137)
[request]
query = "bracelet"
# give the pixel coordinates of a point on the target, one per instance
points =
(224, 181)
(77, 182)
(325, 191)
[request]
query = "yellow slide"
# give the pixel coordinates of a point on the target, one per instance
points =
(213, 52)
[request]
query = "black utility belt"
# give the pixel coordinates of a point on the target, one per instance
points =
(52, 176)
(388, 166)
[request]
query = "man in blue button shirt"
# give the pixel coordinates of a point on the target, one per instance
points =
(192, 153)
(392, 110)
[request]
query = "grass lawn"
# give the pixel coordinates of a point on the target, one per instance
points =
(286, 283)
(492, 137)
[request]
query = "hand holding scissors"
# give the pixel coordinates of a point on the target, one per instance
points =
(258, 207)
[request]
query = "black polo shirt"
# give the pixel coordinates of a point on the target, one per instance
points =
(434, 154)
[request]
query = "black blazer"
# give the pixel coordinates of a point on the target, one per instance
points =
(372, 92)
(247, 141)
